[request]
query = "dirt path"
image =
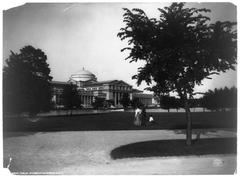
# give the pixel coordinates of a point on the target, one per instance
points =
(87, 152)
(211, 164)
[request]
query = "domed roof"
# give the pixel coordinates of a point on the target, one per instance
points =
(83, 75)
(84, 72)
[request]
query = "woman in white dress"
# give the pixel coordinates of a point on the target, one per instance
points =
(137, 118)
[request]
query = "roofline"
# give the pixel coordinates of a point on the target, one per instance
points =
(59, 82)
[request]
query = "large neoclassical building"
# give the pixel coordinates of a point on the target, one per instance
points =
(89, 88)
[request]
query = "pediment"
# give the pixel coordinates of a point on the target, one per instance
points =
(120, 83)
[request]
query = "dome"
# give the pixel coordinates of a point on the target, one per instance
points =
(83, 75)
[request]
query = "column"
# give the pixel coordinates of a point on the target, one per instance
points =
(131, 96)
(114, 98)
(84, 98)
(118, 98)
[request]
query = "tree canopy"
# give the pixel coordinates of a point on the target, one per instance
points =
(168, 102)
(125, 100)
(71, 97)
(180, 49)
(220, 99)
(26, 82)
(98, 103)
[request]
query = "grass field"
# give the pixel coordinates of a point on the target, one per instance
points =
(122, 121)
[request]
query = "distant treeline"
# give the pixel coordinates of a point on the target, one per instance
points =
(214, 100)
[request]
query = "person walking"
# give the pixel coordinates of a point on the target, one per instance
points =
(137, 117)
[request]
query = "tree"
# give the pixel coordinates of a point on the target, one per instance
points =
(179, 49)
(135, 102)
(165, 102)
(26, 82)
(168, 102)
(125, 100)
(108, 103)
(98, 103)
(71, 97)
(220, 99)
(232, 98)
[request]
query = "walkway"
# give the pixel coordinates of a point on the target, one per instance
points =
(87, 152)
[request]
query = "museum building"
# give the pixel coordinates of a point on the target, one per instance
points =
(89, 88)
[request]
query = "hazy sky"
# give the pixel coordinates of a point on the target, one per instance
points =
(85, 35)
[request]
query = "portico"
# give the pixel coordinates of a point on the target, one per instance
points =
(110, 90)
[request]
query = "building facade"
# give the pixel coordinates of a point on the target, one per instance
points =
(89, 88)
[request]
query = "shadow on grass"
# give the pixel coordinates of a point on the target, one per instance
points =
(176, 147)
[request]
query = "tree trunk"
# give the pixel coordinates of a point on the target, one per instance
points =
(189, 124)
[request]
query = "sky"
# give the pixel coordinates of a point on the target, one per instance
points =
(77, 35)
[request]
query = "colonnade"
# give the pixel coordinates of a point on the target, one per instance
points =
(86, 100)
(117, 97)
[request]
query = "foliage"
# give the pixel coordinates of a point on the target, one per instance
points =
(71, 97)
(26, 82)
(135, 102)
(220, 99)
(166, 102)
(169, 102)
(108, 103)
(194, 102)
(125, 100)
(179, 49)
(98, 103)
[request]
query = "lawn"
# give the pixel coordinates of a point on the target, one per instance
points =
(122, 121)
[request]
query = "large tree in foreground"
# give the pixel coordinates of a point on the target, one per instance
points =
(26, 82)
(180, 49)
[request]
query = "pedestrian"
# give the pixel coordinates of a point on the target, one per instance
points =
(151, 120)
(137, 117)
